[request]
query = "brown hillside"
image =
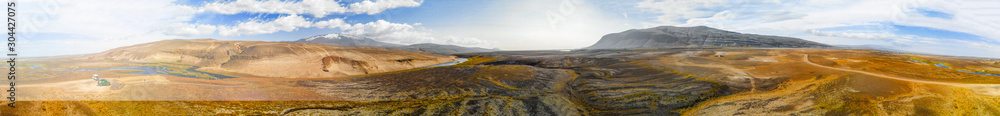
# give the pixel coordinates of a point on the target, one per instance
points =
(270, 59)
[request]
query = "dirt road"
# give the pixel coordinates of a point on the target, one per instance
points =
(249, 83)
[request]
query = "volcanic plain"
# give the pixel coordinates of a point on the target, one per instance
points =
(675, 81)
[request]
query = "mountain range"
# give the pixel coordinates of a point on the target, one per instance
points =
(355, 41)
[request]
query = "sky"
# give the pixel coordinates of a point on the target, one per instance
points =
(69, 27)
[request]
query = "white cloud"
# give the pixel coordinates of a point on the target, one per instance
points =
(286, 23)
(854, 35)
(401, 33)
(727, 19)
(59, 27)
(317, 8)
(104, 20)
(673, 11)
(380, 30)
(466, 41)
(370, 7)
(540, 24)
(981, 45)
(184, 29)
(896, 39)
(332, 23)
(977, 17)
(916, 44)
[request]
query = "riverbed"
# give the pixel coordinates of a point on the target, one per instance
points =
(459, 61)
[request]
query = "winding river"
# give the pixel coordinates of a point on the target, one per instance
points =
(942, 65)
(945, 66)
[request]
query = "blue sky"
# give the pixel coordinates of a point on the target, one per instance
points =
(63, 27)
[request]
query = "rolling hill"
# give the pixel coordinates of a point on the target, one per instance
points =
(271, 59)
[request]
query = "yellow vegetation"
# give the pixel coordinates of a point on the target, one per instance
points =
(477, 60)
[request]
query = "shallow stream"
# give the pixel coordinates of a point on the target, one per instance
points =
(459, 61)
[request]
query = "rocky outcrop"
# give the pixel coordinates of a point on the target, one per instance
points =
(700, 36)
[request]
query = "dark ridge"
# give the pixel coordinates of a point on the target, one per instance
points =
(700, 36)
